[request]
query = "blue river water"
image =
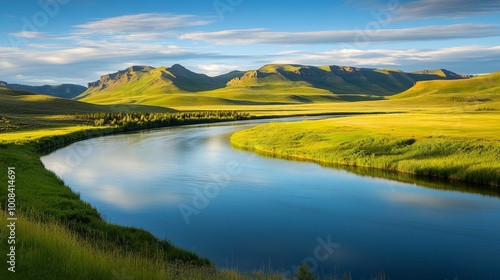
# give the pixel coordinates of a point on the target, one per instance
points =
(241, 210)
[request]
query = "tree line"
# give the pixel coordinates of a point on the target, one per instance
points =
(133, 121)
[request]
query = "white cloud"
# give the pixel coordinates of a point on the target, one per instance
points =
(139, 24)
(216, 69)
(379, 57)
(30, 35)
(424, 33)
(105, 52)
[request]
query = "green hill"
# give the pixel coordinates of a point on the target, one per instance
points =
(441, 72)
(480, 92)
(270, 85)
(21, 102)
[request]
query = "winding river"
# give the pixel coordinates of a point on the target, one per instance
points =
(241, 210)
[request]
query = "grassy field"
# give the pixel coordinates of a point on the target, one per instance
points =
(26, 116)
(449, 129)
(461, 146)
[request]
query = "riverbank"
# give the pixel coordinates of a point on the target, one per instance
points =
(453, 146)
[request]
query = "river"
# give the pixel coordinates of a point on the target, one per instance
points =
(241, 210)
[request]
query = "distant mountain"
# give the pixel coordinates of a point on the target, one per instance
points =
(271, 84)
(442, 73)
(339, 79)
(141, 79)
(68, 91)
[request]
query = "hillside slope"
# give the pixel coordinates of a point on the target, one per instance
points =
(479, 93)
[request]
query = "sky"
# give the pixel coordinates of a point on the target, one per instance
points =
(77, 41)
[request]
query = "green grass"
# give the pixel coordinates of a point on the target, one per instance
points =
(455, 146)
(26, 116)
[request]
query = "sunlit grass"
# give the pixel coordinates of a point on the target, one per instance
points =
(455, 146)
(33, 135)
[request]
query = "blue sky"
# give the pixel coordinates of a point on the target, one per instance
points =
(77, 41)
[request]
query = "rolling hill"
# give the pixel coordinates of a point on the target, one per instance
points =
(479, 93)
(68, 91)
(270, 85)
(21, 102)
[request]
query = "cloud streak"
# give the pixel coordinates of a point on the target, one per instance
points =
(425, 33)
(139, 23)
(422, 9)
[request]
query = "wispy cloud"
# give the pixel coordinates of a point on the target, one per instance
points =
(447, 9)
(138, 27)
(108, 52)
(139, 24)
(425, 33)
(30, 35)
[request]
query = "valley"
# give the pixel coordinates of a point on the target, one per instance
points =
(429, 123)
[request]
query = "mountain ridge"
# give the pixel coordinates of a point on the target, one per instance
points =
(67, 91)
(271, 83)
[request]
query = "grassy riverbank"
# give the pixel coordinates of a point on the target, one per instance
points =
(61, 237)
(455, 146)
